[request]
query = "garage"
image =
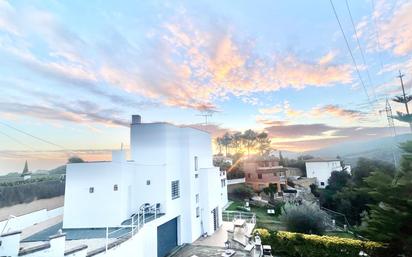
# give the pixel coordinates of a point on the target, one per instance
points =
(166, 237)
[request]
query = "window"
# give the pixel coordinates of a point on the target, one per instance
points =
(322, 183)
(197, 198)
(196, 175)
(196, 163)
(115, 187)
(197, 212)
(91, 190)
(175, 189)
(148, 182)
(223, 182)
(259, 176)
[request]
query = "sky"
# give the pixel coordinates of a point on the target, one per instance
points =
(73, 72)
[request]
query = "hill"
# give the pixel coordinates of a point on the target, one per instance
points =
(384, 149)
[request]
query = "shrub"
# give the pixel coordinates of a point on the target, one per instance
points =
(296, 244)
(30, 190)
(243, 192)
(304, 218)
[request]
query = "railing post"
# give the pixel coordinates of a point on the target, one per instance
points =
(132, 225)
(138, 221)
(107, 237)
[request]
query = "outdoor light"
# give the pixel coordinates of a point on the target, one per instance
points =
(362, 253)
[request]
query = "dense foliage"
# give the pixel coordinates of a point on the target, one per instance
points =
(298, 245)
(390, 216)
(348, 194)
(241, 193)
(29, 190)
(304, 218)
(249, 140)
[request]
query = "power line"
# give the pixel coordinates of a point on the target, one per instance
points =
(16, 140)
(360, 48)
(33, 136)
(378, 43)
(349, 49)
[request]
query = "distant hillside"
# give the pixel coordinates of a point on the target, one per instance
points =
(380, 149)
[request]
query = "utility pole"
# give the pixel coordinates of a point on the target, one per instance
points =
(391, 125)
(404, 95)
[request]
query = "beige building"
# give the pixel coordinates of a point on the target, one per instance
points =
(262, 171)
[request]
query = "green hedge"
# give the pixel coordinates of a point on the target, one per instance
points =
(299, 245)
(30, 191)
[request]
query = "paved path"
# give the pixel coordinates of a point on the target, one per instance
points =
(205, 251)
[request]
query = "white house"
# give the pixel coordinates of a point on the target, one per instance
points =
(321, 169)
(171, 168)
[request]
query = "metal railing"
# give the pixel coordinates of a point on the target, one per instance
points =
(145, 214)
(230, 216)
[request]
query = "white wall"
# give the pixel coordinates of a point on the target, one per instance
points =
(27, 220)
(161, 153)
(322, 171)
(10, 244)
(104, 207)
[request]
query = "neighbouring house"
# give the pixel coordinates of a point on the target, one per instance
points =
(260, 171)
(321, 169)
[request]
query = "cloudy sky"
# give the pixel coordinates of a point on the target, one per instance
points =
(73, 72)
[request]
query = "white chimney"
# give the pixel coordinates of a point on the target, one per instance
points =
(136, 119)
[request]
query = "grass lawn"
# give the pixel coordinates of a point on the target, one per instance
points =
(263, 220)
(341, 234)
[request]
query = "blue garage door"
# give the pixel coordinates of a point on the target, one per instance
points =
(166, 237)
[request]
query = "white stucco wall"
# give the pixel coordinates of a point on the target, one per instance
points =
(161, 153)
(322, 171)
(27, 220)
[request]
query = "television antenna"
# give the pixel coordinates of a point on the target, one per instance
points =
(206, 114)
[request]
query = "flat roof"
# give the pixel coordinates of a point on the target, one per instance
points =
(323, 160)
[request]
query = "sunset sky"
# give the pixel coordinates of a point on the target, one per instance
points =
(73, 72)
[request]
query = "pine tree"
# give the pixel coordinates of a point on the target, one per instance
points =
(26, 168)
(390, 219)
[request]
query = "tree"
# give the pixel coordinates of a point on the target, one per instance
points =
(366, 167)
(390, 218)
(26, 168)
(338, 180)
(75, 159)
(236, 141)
(263, 143)
(242, 192)
(219, 143)
(281, 160)
(271, 190)
(249, 139)
(226, 141)
(304, 218)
